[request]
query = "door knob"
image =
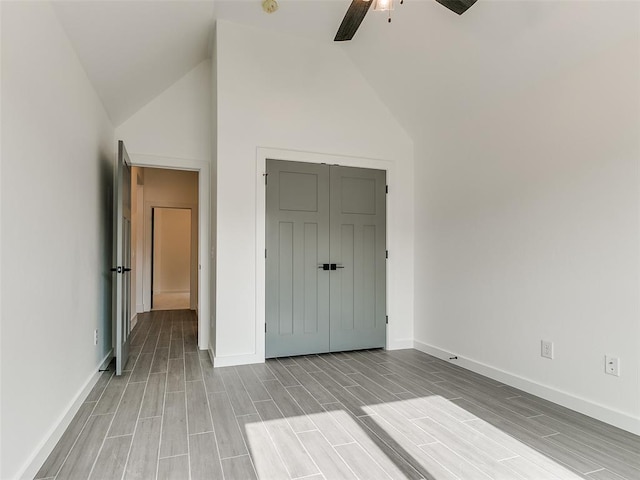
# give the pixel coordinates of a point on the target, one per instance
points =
(324, 266)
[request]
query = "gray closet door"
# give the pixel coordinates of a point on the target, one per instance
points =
(358, 244)
(321, 215)
(297, 239)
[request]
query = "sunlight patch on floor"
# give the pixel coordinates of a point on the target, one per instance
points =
(438, 438)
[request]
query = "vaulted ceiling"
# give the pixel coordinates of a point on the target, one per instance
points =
(428, 65)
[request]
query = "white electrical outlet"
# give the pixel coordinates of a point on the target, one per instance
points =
(95, 337)
(612, 365)
(546, 349)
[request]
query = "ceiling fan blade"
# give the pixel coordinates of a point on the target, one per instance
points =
(352, 19)
(457, 6)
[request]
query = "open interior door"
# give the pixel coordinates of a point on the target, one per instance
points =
(122, 257)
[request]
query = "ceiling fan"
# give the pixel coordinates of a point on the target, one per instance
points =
(359, 8)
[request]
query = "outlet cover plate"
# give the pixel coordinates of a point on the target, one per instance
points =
(612, 365)
(546, 349)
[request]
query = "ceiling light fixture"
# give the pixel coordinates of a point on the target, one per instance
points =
(269, 6)
(385, 6)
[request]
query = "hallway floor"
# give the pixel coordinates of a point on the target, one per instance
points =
(371, 414)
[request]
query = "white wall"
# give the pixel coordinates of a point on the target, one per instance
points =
(285, 93)
(527, 220)
(175, 124)
(172, 250)
(57, 170)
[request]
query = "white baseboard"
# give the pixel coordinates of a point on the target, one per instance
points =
(587, 407)
(46, 446)
(232, 360)
(134, 321)
(400, 344)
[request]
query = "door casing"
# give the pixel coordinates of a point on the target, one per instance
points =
(264, 153)
(204, 216)
(325, 213)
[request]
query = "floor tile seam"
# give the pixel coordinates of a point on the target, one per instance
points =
(367, 367)
(301, 444)
(186, 410)
(137, 420)
(164, 406)
(609, 456)
(503, 419)
(273, 442)
(384, 389)
(400, 432)
(367, 454)
(440, 411)
(509, 458)
(552, 458)
(489, 408)
(236, 456)
(186, 401)
(592, 460)
(119, 436)
(95, 460)
(368, 432)
(596, 437)
(215, 435)
(594, 471)
(435, 440)
(333, 447)
(73, 445)
(463, 458)
(174, 456)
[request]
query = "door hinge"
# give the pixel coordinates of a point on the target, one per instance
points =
(386, 189)
(387, 320)
(265, 328)
(386, 254)
(265, 175)
(265, 253)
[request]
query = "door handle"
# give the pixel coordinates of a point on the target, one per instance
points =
(120, 269)
(330, 266)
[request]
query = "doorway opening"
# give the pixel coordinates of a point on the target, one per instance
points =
(170, 258)
(164, 240)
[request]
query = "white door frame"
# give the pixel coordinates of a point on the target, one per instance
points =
(204, 216)
(296, 156)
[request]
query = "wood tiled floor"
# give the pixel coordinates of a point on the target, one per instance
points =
(369, 415)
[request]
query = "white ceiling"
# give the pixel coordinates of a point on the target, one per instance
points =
(427, 65)
(134, 50)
